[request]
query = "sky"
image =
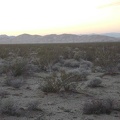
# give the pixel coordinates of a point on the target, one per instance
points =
(59, 16)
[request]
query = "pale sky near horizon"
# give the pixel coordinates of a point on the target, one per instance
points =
(59, 16)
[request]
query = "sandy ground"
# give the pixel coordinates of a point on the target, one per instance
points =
(64, 105)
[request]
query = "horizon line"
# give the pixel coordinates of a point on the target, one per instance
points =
(61, 34)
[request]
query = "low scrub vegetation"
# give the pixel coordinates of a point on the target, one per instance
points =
(62, 80)
(97, 106)
(96, 82)
(14, 82)
(106, 55)
(33, 105)
(18, 67)
(9, 107)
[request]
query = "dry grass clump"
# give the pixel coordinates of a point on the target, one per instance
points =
(97, 106)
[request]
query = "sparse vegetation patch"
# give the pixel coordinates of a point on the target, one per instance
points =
(97, 106)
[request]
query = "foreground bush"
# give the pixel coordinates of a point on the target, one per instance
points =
(9, 107)
(55, 82)
(97, 106)
(51, 84)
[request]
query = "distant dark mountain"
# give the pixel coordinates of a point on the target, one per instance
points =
(53, 38)
(116, 35)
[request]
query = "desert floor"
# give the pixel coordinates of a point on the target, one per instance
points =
(63, 105)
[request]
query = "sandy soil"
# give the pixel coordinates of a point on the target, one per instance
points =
(63, 105)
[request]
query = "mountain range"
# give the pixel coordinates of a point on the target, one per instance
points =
(113, 34)
(53, 38)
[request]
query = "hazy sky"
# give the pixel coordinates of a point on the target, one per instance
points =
(59, 16)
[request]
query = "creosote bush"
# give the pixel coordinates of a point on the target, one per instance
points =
(55, 82)
(51, 84)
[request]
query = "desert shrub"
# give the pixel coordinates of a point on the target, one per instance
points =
(33, 105)
(79, 74)
(86, 64)
(70, 87)
(34, 63)
(61, 58)
(55, 82)
(96, 82)
(107, 58)
(79, 55)
(51, 84)
(67, 80)
(4, 52)
(14, 82)
(111, 70)
(71, 63)
(3, 66)
(68, 54)
(116, 105)
(9, 107)
(97, 106)
(48, 56)
(56, 67)
(18, 67)
(98, 69)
